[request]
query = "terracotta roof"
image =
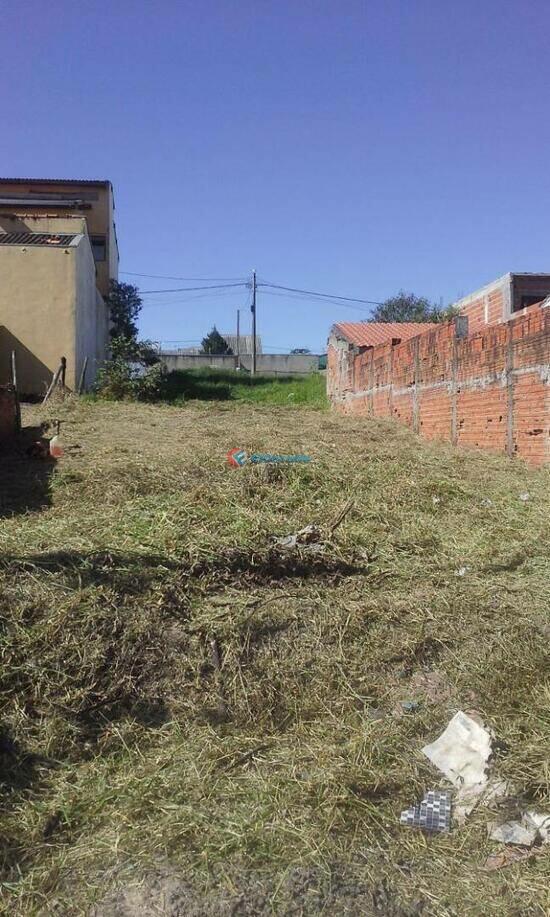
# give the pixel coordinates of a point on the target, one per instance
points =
(368, 334)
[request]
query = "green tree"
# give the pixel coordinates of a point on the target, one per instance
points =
(133, 369)
(124, 304)
(406, 307)
(215, 343)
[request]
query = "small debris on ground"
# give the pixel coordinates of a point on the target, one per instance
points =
(509, 856)
(433, 686)
(375, 713)
(433, 814)
(462, 571)
(406, 707)
(461, 753)
(309, 535)
(525, 497)
(531, 828)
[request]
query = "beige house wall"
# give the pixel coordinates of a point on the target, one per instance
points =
(46, 294)
(98, 214)
(91, 316)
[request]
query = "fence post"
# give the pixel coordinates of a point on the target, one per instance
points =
(82, 376)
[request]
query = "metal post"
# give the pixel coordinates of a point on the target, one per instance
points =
(253, 310)
(63, 374)
(238, 338)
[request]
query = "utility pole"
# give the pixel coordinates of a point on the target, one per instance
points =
(238, 338)
(253, 310)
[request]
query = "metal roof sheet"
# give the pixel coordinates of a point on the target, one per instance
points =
(368, 334)
(55, 181)
(36, 238)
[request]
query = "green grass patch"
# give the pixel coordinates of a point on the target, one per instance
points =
(223, 385)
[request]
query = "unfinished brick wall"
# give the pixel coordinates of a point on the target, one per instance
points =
(490, 389)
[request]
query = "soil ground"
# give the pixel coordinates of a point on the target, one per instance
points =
(196, 720)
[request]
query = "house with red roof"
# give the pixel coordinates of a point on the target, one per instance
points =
(348, 339)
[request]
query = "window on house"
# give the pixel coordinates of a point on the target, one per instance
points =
(529, 299)
(99, 247)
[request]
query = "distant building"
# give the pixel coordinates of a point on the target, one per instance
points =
(244, 348)
(244, 345)
(500, 300)
(58, 255)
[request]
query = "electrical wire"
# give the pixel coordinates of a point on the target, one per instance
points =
(325, 302)
(220, 294)
(218, 286)
(331, 296)
(190, 279)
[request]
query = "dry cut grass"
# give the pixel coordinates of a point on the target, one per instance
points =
(178, 690)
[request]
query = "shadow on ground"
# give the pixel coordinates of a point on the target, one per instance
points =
(24, 481)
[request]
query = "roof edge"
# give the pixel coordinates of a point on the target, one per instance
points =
(59, 181)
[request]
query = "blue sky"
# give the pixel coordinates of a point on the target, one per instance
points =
(334, 145)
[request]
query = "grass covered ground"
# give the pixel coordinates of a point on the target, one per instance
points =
(192, 715)
(206, 384)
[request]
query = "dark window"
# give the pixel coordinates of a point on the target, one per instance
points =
(99, 247)
(529, 300)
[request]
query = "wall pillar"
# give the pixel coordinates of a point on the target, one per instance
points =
(416, 404)
(510, 391)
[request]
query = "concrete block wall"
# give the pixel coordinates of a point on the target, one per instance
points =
(490, 389)
(268, 364)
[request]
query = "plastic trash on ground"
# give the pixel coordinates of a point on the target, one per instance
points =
(433, 814)
(530, 829)
(461, 753)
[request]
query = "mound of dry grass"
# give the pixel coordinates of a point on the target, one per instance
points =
(178, 689)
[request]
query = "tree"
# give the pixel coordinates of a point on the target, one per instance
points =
(406, 307)
(215, 343)
(124, 304)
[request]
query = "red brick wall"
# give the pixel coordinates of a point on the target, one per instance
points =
(490, 389)
(486, 309)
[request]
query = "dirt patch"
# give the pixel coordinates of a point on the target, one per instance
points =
(304, 893)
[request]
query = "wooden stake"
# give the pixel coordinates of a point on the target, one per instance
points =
(82, 376)
(339, 518)
(53, 383)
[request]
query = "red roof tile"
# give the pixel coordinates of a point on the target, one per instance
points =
(368, 334)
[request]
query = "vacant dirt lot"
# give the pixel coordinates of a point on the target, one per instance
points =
(195, 720)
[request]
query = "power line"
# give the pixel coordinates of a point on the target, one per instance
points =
(190, 279)
(277, 286)
(326, 302)
(219, 286)
(219, 294)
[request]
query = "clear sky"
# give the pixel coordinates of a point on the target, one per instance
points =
(335, 145)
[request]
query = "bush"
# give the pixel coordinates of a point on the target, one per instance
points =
(119, 380)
